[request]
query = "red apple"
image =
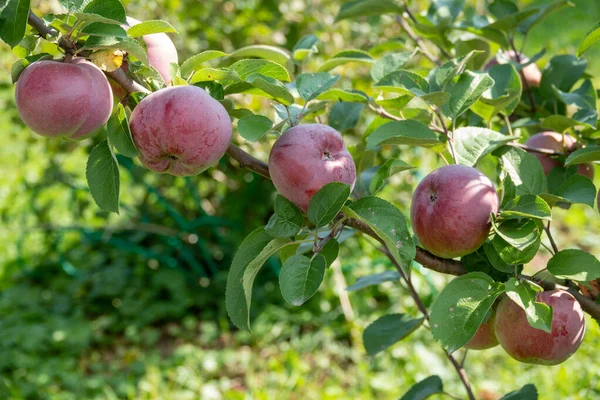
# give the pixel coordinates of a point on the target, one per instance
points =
(180, 130)
(527, 344)
(554, 141)
(450, 210)
(485, 337)
(307, 157)
(532, 74)
(64, 99)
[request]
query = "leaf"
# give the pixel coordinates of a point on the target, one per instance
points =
(388, 223)
(591, 37)
(330, 251)
(253, 127)
(301, 277)
(327, 202)
(558, 123)
(344, 116)
(519, 234)
(13, 21)
(562, 71)
(271, 53)
(539, 315)
(72, 5)
(129, 45)
(194, 62)
(576, 189)
(150, 27)
(102, 174)
(461, 307)
(407, 132)
(272, 87)
(527, 206)
(510, 255)
(505, 95)
(544, 11)
(390, 63)
(584, 97)
(390, 167)
(287, 219)
(527, 392)
(212, 74)
(465, 91)
(471, 144)
(444, 12)
(404, 81)
(574, 264)
(111, 9)
(450, 70)
(306, 46)
(345, 57)
(585, 155)
(525, 171)
(387, 331)
(245, 68)
(311, 85)
(102, 29)
(375, 279)
(424, 389)
(119, 134)
(361, 8)
(512, 21)
(350, 96)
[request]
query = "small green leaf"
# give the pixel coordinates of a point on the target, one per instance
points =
(254, 127)
(271, 53)
(511, 255)
(465, 91)
(519, 234)
(102, 29)
(404, 81)
(272, 87)
(344, 116)
(245, 68)
(345, 57)
(193, 63)
(584, 97)
(558, 123)
(327, 203)
(301, 277)
(574, 264)
(350, 96)
(585, 155)
(544, 11)
(311, 85)
(13, 21)
(539, 315)
(390, 63)
(129, 45)
(390, 167)
(111, 9)
(287, 219)
(527, 206)
(471, 144)
(387, 331)
(450, 70)
(330, 251)
(361, 8)
(505, 95)
(408, 132)
(212, 74)
(306, 46)
(102, 173)
(576, 189)
(375, 279)
(591, 37)
(150, 27)
(527, 392)
(562, 72)
(525, 171)
(119, 134)
(424, 389)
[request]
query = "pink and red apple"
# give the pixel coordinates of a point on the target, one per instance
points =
(532, 74)
(64, 99)
(527, 344)
(180, 130)
(450, 210)
(307, 157)
(485, 337)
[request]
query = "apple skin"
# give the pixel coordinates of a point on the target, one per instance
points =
(307, 157)
(554, 141)
(485, 337)
(180, 130)
(534, 346)
(450, 210)
(63, 99)
(532, 74)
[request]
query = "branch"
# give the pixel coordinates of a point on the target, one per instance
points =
(418, 41)
(247, 161)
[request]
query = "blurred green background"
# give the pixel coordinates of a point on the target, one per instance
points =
(131, 306)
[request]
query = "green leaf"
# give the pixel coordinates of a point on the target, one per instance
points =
(301, 277)
(272, 87)
(591, 37)
(129, 45)
(525, 171)
(424, 389)
(330, 251)
(502, 8)
(465, 91)
(576, 189)
(505, 95)
(461, 308)
(509, 254)
(585, 155)
(562, 71)
(253, 127)
(245, 68)
(584, 97)
(437, 99)
(527, 206)
(444, 12)
(350, 96)
(345, 57)
(527, 392)
(327, 202)
(306, 46)
(471, 144)
(404, 81)
(72, 5)
(512, 21)
(13, 21)
(344, 116)
(544, 11)
(271, 53)
(375, 279)
(388, 223)
(558, 123)
(102, 29)
(19, 66)
(150, 27)
(311, 85)
(193, 63)
(84, 19)
(390, 167)
(287, 220)
(539, 315)
(111, 9)
(390, 63)
(212, 74)
(574, 264)
(102, 174)
(361, 8)
(450, 70)
(519, 234)
(119, 134)
(409, 132)
(387, 331)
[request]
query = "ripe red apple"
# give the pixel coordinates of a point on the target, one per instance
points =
(450, 210)
(532, 74)
(530, 345)
(63, 99)
(485, 337)
(161, 51)
(307, 157)
(554, 141)
(180, 130)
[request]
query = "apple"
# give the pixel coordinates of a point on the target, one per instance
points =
(532, 74)
(485, 337)
(64, 99)
(554, 141)
(307, 157)
(180, 130)
(527, 344)
(450, 210)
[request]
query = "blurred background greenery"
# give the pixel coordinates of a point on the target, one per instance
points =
(131, 306)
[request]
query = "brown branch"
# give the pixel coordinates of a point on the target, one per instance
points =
(247, 161)
(535, 150)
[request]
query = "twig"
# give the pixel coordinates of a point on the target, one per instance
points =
(549, 234)
(448, 135)
(418, 41)
(247, 161)
(535, 150)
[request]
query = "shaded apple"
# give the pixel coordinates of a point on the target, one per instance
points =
(485, 337)
(527, 344)
(180, 130)
(307, 157)
(554, 141)
(64, 99)
(450, 210)
(532, 74)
